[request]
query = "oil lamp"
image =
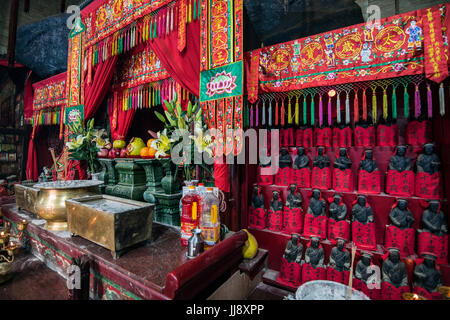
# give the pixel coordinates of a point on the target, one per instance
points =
(413, 296)
(9, 247)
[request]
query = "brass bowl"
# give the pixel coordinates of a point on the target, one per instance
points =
(51, 202)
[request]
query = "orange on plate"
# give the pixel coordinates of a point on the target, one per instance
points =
(151, 152)
(144, 152)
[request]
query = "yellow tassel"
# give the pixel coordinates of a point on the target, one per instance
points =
(297, 109)
(385, 105)
(374, 107)
(289, 112)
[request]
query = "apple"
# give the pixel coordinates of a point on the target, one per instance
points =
(123, 153)
(103, 153)
(114, 153)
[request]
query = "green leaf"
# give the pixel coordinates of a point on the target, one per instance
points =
(179, 110)
(189, 109)
(160, 117)
(169, 106)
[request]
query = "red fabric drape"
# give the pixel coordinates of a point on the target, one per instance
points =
(222, 176)
(95, 92)
(184, 67)
(124, 120)
(32, 163)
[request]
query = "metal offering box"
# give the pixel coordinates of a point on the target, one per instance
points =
(111, 222)
(26, 196)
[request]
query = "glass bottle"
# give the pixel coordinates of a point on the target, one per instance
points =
(209, 219)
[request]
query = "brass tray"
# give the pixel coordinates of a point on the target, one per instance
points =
(111, 222)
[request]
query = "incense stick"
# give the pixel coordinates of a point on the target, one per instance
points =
(350, 282)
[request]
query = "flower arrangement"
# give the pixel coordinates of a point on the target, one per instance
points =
(85, 142)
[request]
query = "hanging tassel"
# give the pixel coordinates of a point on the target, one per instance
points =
(195, 9)
(441, 99)
(347, 109)
(297, 111)
(312, 110)
(304, 111)
(270, 113)
(251, 115)
(257, 114)
(264, 113)
(338, 108)
(385, 105)
(283, 113)
(394, 103)
(320, 111)
(276, 112)
(374, 106)
(330, 119)
(289, 112)
(406, 102)
(190, 12)
(356, 107)
(171, 19)
(418, 107)
(430, 101)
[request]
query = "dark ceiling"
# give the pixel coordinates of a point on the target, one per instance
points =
(42, 46)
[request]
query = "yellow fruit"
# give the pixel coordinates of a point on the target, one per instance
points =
(135, 146)
(250, 247)
(151, 152)
(149, 143)
(119, 144)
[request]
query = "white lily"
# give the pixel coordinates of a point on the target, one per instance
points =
(202, 142)
(162, 144)
(77, 143)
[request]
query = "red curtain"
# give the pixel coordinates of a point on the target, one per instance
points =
(124, 119)
(32, 172)
(95, 92)
(184, 67)
(28, 98)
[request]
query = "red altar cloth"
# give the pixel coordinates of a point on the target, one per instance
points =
(342, 137)
(315, 226)
(283, 176)
(257, 218)
(338, 276)
(264, 180)
(302, 177)
(290, 273)
(424, 293)
(390, 292)
(310, 274)
(364, 235)
(387, 135)
(365, 137)
(373, 294)
(292, 220)
(275, 220)
(428, 186)
(308, 137)
(428, 242)
(287, 137)
(299, 137)
(339, 229)
(401, 239)
(369, 183)
(343, 180)
(400, 183)
(321, 178)
(322, 137)
(418, 132)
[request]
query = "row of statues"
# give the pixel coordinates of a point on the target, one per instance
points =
(428, 162)
(393, 280)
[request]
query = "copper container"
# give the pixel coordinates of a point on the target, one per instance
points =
(51, 202)
(113, 223)
(26, 196)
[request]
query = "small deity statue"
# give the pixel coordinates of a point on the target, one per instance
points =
(399, 161)
(285, 160)
(294, 249)
(426, 275)
(343, 162)
(429, 161)
(314, 255)
(368, 164)
(393, 269)
(276, 204)
(340, 258)
(302, 160)
(337, 209)
(321, 160)
(400, 216)
(316, 205)
(293, 199)
(362, 212)
(257, 198)
(433, 219)
(362, 268)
